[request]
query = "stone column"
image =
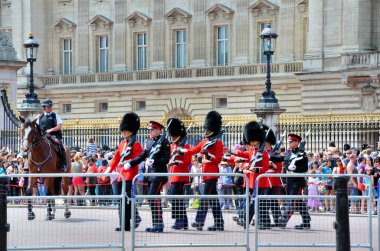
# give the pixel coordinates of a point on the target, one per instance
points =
(158, 35)
(313, 60)
(199, 34)
(286, 26)
(82, 41)
(241, 28)
(119, 36)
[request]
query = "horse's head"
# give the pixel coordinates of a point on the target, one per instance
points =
(31, 133)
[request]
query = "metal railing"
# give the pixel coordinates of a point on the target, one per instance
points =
(147, 241)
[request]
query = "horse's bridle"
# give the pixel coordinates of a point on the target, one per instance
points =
(43, 138)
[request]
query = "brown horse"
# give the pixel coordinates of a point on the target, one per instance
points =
(43, 158)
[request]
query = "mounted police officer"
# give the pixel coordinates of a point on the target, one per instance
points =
(50, 123)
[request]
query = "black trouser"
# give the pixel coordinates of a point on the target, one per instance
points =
(210, 189)
(155, 187)
(267, 204)
(128, 205)
(178, 205)
(298, 205)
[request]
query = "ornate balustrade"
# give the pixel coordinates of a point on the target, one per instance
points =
(171, 73)
(361, 59)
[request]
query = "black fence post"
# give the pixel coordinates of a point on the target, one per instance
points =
(4, 226)
(342, 224)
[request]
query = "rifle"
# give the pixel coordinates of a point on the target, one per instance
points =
(278, 145)
(294, 157)
(259, 155)
(180, 145)
(157, 147)
(127, 151)
(215, 139)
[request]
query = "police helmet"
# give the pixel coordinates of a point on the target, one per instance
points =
(47, 102)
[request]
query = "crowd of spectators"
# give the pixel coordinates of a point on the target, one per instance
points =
(93, 159)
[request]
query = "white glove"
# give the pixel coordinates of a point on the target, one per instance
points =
(183, 150)
(149, 162)
(127, 166)
(292, 167)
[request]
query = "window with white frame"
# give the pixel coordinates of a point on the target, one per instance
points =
(222, 45)
(103, 54)
(140, 105)
(220, 102)
(66, 108)
(141, 51)
(103, 107)
(67, 56)
(181, 48)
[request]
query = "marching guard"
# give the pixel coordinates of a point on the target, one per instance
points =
(178, 164)
(127, 149)
(211, 149)
(157, 155)
(295, 161)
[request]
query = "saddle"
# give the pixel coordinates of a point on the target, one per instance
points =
(59, 148)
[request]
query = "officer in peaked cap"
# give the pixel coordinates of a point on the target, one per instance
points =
(156, 155)
(295, 161)
(128, 149)
(179, 163)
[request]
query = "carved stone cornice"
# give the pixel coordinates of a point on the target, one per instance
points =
(356, 81)
(263, 4)
(63, 22)
(178, 14)
(138, 17)
(213, 11)
(99, 21)
(302, 5)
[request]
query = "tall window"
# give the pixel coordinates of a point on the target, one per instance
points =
(181, 48)
(103, 54)
(222, 45)
(67, 56)
(141, 51)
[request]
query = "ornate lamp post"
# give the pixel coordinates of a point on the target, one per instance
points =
(268, 97)
(267, 109)
(31, 104)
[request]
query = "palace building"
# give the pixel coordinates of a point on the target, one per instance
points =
(100, 58)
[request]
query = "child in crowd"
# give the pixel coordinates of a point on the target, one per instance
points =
(313, 183)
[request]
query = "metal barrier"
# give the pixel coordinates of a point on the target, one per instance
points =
(86, 229)
(324, 235)
(142, 239)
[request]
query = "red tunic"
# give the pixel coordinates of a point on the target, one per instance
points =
(182, 167)
(264, 164)
(212, 165)
(135, 151)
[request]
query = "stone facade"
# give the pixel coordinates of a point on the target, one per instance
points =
(326, 55)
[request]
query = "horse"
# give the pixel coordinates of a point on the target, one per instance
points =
(43, 158)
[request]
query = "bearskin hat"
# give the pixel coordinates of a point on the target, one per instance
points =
(271, 138)
(346, 147)
(130, 122)
(253, 131)
(213, 122)
(176, 127)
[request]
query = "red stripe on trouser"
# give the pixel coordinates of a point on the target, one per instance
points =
(291, 210)
(158, 202)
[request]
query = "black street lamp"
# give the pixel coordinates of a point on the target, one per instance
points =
(268, 97)
(31, 47)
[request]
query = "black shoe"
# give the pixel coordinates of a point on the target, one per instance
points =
(179, 224)
(264, 226)
(159, 228)
(236, 218)
(305, 225)
(282, 222)
(137, 222)
(241, 222)
(197, 225)
(118, 229)
(216, 228)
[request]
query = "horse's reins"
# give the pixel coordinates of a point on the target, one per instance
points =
(36, 144)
